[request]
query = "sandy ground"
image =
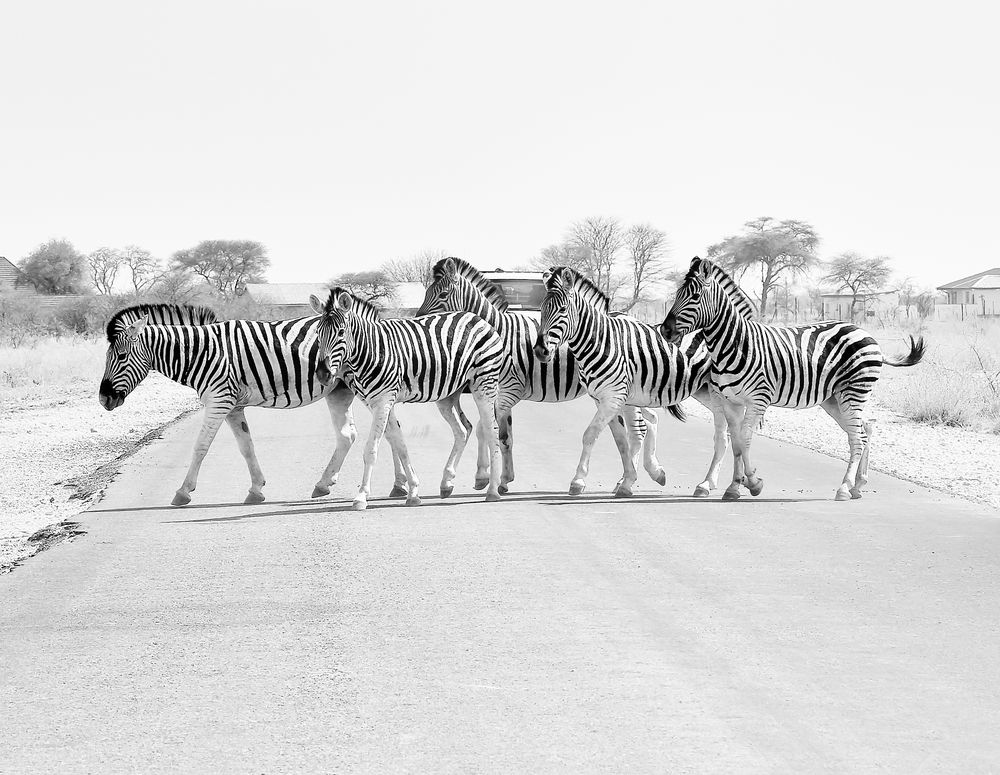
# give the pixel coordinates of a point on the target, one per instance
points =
(59, 448)
(959, 461)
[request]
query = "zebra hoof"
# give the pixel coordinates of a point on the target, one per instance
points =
(756, 489)
(575, 488)
(855, 493)
(253, 497)
(843, 493)
(481, 483)
(398, 491)
(180, 499)
(492, 497)
(359, 505)
(502, 489)
(446, 491)
(622, 492)
(701, 491)
(319, 491)
(661, 478)
(413, 501)
(731, 495)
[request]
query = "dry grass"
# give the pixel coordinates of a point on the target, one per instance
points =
(957, 385)
(52, 362)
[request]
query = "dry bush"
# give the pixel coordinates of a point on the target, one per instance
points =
(52, 362)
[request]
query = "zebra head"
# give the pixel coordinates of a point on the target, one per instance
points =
(558, 312)
(333, 333)
(690, 309)
(128, 362)
(442, 292)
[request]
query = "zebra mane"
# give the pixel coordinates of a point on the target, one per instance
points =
(570, 278)
(363, 308)
(162, 315)
(485, 286)
(729, 286)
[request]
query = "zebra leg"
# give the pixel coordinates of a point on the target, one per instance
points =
(461, 429)
(215, 413)
(734, 419)
(505, 420)
(339, 404)
(606, 410)
(380, 407)
(707, 399)
(751, 421)
(486, 403)
(238, 424)
(869, 428)
(850, 421)
(649, 461)
(401, 458)
(482, 480)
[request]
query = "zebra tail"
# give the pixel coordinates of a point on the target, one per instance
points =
(916, 354)
(678, 412)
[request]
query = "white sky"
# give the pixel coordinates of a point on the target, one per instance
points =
(342, 134)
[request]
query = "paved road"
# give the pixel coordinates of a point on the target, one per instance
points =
(540, 634)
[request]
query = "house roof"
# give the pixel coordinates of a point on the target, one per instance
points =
(989, 278)
(286, 293)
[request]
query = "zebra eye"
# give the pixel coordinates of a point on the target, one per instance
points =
(443, 295)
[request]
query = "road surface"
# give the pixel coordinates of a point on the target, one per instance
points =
(545, 633)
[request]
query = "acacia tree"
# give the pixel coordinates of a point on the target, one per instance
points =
(104, 264)
(143, 267)
(373, 286)
(226, 265)
(857, 274)
(418, 268)
(55, 267)
(647, 248)
(778, 249)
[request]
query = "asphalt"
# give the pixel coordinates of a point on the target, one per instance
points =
(544, 633)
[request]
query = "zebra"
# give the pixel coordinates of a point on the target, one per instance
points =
(457, 286)
(431, 358)
(755, 366)
(625, 362)
(232, 365)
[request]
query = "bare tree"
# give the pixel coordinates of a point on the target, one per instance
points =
(373, 286)
(857, 274)
(143, 267)
(104, 264)
(778, 249)
(647, 249)
(600, 237)
(564, 254)
(177, 286)
(418, 268)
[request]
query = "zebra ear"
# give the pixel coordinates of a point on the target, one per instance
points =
(345, 300)
(136, 326)
(319, 307)
(449, 268)
(705, 270)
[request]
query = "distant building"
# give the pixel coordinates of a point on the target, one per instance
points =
(837, 306)
(980, 293)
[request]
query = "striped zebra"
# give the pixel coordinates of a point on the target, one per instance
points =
(232, 365)
(459, 287)
(418, 360)
(830, 364)
(624, 362)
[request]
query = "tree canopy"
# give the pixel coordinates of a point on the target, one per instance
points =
(778, 249)
(373, 286)
(857, 274)
(56, 267)
(226, 265)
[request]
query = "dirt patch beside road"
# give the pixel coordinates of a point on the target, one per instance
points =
(61, 449)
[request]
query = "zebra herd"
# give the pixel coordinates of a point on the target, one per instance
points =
(465, 339)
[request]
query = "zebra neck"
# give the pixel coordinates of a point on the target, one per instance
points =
(370, 353)
(727, 330)
(590, 335)
(479, 305)
(175, 350)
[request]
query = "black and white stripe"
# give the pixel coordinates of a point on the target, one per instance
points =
(231, 364)
(755, 366)
(623, 362)
(459, 287)
(432, 358)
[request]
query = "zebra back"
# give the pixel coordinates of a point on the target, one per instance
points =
(160, 315)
